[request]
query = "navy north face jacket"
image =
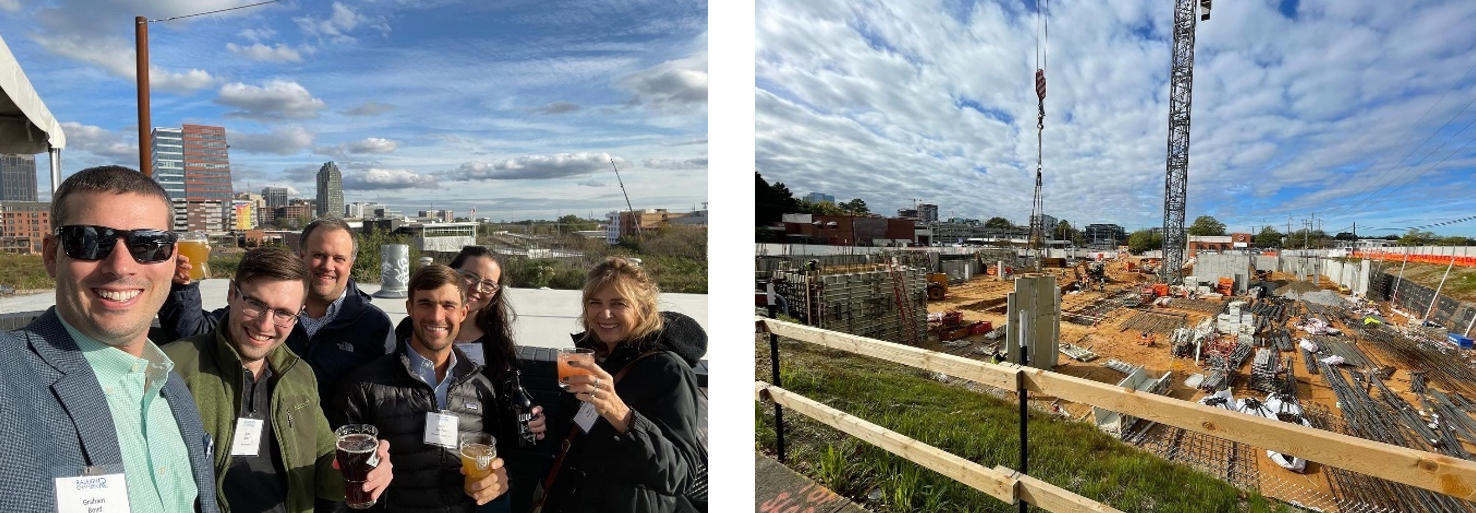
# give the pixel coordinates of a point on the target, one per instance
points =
(359, 334)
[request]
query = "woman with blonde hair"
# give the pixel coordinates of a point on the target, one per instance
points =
(640, 450)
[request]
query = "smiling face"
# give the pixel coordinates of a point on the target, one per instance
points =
(112, 300)
(610, 315)
(256, 336)
(436, 316)
(329, 254)
(485, 269)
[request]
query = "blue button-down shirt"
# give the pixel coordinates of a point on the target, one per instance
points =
(425, 371)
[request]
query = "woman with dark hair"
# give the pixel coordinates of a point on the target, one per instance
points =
(487, 331)
(635, 445)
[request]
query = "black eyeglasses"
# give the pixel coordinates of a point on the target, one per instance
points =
(473, 280)
(85, 242)
(253, 308)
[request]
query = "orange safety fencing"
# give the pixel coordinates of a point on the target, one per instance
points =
(1462, 261)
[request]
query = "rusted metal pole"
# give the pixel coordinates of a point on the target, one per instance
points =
(141, 49)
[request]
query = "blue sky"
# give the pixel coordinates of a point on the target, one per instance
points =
(512, 107)
(1357, 111)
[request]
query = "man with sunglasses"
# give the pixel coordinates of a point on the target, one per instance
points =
(338, 331)
(273, 447)
(99, 415)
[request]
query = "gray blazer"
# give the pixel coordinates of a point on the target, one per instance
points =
(54, 418)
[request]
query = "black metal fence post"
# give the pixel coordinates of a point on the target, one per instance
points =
(774, 365)
(1024, 411)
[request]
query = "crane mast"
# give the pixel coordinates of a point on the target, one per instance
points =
(1176, 183)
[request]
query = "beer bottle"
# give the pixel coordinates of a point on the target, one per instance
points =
(522, 409)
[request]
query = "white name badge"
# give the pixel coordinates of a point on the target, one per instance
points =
(105, 493)
(440, 429)
(248, 437)
(586, 417)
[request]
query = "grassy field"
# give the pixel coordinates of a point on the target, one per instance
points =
(976, 426)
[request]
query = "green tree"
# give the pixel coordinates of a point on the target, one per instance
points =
(824, 208)
(1268, 238)
(1206, 225)
(771, 202)
(1417, 237)
(999, 223)
(856, 206)
(1144, 240)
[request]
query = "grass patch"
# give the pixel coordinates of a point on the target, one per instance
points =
(24, 272)
(973, 425)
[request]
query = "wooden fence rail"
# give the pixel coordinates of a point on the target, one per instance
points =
(999, 482)
(1436, 472)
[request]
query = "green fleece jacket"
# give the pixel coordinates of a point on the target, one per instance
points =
(211, 368)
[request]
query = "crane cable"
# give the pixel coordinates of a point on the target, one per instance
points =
(1037, 208)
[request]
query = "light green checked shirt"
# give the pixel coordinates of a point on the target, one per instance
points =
(156, 463)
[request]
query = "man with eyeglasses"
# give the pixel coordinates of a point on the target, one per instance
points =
(274, 449)
(91, 414)
(339, 329)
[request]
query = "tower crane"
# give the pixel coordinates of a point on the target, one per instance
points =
(1176, 183)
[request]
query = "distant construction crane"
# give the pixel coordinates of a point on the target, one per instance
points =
(1176, 184)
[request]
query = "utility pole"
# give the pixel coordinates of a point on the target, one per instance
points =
(141, 51)
(141, 63)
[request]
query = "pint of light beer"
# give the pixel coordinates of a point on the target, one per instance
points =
(358, 446)
(196, 247)
(477, 452)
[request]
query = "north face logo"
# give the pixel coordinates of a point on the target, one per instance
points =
(346, 347)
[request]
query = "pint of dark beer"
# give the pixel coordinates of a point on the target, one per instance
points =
(358, 446)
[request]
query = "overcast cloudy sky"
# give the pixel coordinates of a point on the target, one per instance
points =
(513, 107)
(1357, 110)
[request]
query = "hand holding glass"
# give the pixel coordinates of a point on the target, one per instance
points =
(585, 356)
(357, 455)
(196, 247)
(477, 452)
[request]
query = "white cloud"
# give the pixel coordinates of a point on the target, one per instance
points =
(289, 140)
(10, 5)
(370, 145)
(261, 52)
(674, 84)
(337, 25)
(692, 163)
(384, 179)
(257, 35)
(534, 167)
(101, 142)
(277, 99)
(592, 183)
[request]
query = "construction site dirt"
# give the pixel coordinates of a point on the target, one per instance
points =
(1109, 324)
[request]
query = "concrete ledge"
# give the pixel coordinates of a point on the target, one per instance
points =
(777, 489)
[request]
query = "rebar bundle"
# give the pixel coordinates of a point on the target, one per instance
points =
(1389, 420)
(1264, 369)
(1443, 365)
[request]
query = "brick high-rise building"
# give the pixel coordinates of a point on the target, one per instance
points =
(192, 164)
(330, 191)
(17, 177)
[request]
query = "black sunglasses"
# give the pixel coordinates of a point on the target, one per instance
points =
(83, 242)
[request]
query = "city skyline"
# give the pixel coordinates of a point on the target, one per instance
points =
(514, 107)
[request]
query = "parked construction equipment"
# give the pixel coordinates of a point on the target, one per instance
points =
(937, 286)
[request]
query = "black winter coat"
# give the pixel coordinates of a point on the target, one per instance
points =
(385, 393)
(649, 467)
